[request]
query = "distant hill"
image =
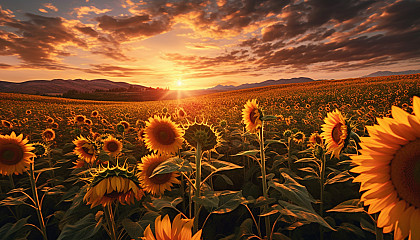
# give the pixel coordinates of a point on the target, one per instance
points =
(60, 86)
(260, 84)
(389, 73)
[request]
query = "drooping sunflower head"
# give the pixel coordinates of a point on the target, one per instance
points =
(40, 149)
(125, 124)
(335, 132)
(180, 229)
(163, 135)
(251, 116)
(203, 134)
(110, 184)
(15, 154)
(315, 139)
(112, 146)
(299, 137)
(389, 172)
(48, 135)
(79, 119)
(157, 184)
(85, 149)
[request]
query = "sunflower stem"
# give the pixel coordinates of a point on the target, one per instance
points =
(12, 183)
(289, 152)
(197, 186)
(111, 223)
(36, 200)
(321, 205)
(264, 179)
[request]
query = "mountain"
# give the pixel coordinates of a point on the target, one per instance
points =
(389, 73)
(260, 84)
(60, 86)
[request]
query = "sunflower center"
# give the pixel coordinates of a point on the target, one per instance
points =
(159, 178)
(11, 154)
(405, 172)
(165, 135)
(48, 135)
(253, 115)
(337, 132)
(114, 194)
(80, 119)
(112, 146)
(87, 150)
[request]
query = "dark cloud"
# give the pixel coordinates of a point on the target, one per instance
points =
(5, 66)
(117, 71)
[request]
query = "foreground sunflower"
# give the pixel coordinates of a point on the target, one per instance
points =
(335, 132)
(157, 184)
(389, 168)
(112, 146)
(112, 184)
(85, 149)
(162, 135)
(203, 134)
(251, 115)
(180, 229)
(15, 154)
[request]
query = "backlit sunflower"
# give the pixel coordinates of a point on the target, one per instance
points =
(48, 134)
(113, 184)
(158, 183)
(112, 146)
(299, 137)
(203, 134)
(335, 132)
(389, 168)
(85, 149)
(315, 139)
(180, 229)
(163, 135)
(15, 154)
(180, 113)
(79, 119)
(40, 149)
(251, 115)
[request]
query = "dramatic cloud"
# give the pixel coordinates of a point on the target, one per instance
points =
(117, 71)
(85, 10)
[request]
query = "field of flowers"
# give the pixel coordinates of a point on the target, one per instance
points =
(322, 160)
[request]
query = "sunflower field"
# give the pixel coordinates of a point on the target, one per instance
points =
(337, 159)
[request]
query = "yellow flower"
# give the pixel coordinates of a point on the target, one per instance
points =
(113, 184)
(334, 132)
(85, 149)
(203, 134)
(48, 134)
(112, 146)
(251, 115)
(180, 113)
(79, 119)
(158, 183)
(163, 135)
(299, 137)
(125, 124)
(15, 154)
(180, 229)
(94, 113)
(389, 168)
(315, 139)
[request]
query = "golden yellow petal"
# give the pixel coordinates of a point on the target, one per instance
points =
(197, 236)
(149, 234)
(414, 225)
(378, 205)
(402, 226)
(416, 107)
(383, 218)
(166, 225)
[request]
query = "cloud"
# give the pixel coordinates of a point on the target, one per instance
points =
(5, 66)
(117, 71)
(86, 10)
(50, 6)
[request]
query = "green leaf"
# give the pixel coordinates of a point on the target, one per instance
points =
(218, 165)
(209, 200)
(174, 164)
(367, 226)
(268, 118)
(85, 228)
(163, 203)
(302, 213)
(18, 230)
(348, 227)
(134, 229)
(341, 177)
(14, 201)
(349, 206)
(46, 169)
(293, 191)
(248, 153)
(228, 201)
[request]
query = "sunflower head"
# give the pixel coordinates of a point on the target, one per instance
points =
(125, 124)
(85, 149)
(223, 123)
(120, 128)
(203, 134)
(50, 120)
(389, 170)
(287, 133)
(180, 229)
(48, 135)
(15, 154)
(336, 132)
(110, 184)
(315, 139)
(251, 116)
(79, 119)
(94, 113)
(180, 113)
(28, 112)
(157, 184)
(6, 124)
(112, 146)
(88, 122)
(40, 149)
(299, 137)
(163, 135)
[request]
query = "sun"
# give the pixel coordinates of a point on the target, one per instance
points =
(179, 83)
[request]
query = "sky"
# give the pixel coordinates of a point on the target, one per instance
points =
(195, 44)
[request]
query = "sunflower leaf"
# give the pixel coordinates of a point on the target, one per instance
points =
(341, 177)
(18, 230)
(85, 228)
(268, 118)
(349, 206)
(174, 164)
(248, 153)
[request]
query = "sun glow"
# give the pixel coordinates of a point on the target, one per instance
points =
(179, 83)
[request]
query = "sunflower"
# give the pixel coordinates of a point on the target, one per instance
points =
(50, 120)
(79, 119)
(251, 115)
(315, 139)
(180, 113)
(158, 183)
(6, 124)
(94, 113)
(85, 149)
(125, 124)
(299, 137)
(389, 168)
(88, 122)
(40, 149)
(113, 184)
(163, 135)
(140, 135)
(335, 132)
(48, 134)
(28, 112)
(203, 134)
(112, 146)
(15, 154)
(180, 229)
